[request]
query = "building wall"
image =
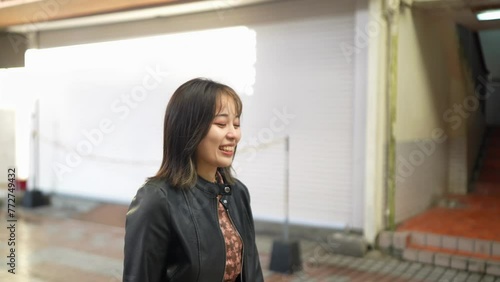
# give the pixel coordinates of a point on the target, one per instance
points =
(423, 89)
(439, 121)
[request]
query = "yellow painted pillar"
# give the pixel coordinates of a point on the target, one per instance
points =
(392, 9)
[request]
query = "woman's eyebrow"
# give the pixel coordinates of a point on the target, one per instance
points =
(225, 115)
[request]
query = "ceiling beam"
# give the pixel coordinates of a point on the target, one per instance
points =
(25, 12)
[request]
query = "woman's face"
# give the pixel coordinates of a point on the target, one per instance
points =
(216, 149)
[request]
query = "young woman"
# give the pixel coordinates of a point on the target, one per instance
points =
(192, 221)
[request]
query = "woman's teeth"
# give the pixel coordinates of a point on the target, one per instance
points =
(227, 148)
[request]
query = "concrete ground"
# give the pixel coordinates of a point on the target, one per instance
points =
(57, 243)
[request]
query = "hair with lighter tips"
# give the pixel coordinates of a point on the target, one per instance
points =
(188, 118)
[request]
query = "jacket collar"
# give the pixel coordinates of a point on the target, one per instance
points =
(213, 189)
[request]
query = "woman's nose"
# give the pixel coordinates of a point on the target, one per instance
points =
(231, 134)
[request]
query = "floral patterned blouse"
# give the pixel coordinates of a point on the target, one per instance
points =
(233, 242)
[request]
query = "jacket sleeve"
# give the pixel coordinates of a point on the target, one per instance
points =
(147, 235)
(256, 269)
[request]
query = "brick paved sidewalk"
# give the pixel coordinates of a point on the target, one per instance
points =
(376, 267)
(53, 248)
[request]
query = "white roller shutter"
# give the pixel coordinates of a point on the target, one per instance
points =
(302, 87)
(301, 71)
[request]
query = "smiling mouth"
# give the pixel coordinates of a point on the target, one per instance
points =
(228, 149)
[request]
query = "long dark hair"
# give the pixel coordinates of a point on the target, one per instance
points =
(188, 118)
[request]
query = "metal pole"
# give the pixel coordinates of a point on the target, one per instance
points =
(36, 144)
(285, 255)
(34, 197)
(287, 181)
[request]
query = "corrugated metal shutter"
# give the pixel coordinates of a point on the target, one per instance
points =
(301, 68)
(301, 71)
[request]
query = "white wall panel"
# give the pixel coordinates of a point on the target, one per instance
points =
(7, 145)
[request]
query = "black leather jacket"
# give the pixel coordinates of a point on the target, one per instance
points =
(174, 234)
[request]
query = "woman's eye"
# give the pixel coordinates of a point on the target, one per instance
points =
(220, 124)
(236, 125)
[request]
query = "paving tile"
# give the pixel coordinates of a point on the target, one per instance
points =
(436, 274)
(408, 275)
(54, 272)
(363, 266)
(345, 261)
(423, 272)
(476, 265)
(420, 275)
(409, 272)
(332, 260)
(397, 254)
(449, 274)
(396, 272)
(493, 268)
(72, 258)
(458, 262)
(449, 242)
(426, 257)
(439, 269)
(404, 264)
(356, 261)
(442, 259)
(400, 240)
(488, 278)
(496, 249)
(410, 254)
(482, 247)
(337, 278)
(466, 245)
(401, 268)
(376, 267)
(418, 238)
(416, 265)
(474, 278)
(434, 240)
(386, 269)
(379, 264)
(461, 276)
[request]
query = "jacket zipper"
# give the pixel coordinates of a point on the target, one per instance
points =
(222, 235)
(242, 243)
